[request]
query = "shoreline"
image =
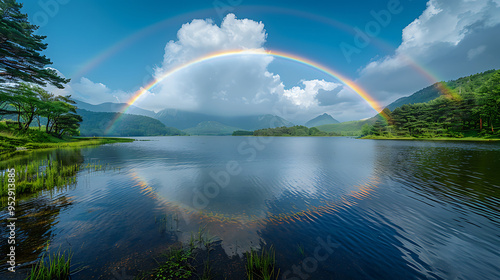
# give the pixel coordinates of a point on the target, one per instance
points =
(75, 142)
(464, 139)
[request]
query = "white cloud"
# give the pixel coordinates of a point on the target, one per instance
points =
(237, 85)
(306, 97)
(89, 91)
(452, 38)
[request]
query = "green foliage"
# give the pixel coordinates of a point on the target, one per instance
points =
(40, 175)
(177, 265)
(182, 261)
(20, 49)
(351, 128)
(261, 266)
(298, 130)
(242, 133)
(471, 105)
(468, 84)
(97, 124)
(52, 267)
(29, 102)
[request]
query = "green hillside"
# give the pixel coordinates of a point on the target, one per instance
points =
(96, 124)
(469, 84)
(211, 128)
(469, 107)
(463, 87)
(351, 128)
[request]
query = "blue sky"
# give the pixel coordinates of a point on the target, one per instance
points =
(79, 31)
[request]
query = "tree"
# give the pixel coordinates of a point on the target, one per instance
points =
(24, 100)
(366, 129)
(5, 99)
(20, 49)
(490, 99)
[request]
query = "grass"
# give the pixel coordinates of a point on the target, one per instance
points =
(181, 261)
(39, 175)
(177, 265)
(301, 249)
(193, 261)
(55, 266)
(33, 139)
(44, 174)
(261, 265)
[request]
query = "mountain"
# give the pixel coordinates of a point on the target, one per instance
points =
(211, 128)
(424, 95)
(114, 108)
(321, 120)
(184, 119)
(351, 128)
(96, 124)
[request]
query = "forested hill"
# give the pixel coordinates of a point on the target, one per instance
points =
(470, 106)
(96, 123)
(469, 83)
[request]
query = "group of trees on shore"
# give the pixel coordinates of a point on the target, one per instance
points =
(23, 70)
(30, 104)
(298, 130)
(468, 106)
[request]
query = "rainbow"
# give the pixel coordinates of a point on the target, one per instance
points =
(229, 53)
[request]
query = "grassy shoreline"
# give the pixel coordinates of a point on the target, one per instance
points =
(464, 139)
(15, 146)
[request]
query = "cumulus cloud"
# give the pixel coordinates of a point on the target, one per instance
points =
(306, 97)
(88, 91)
(452, 38)
(237, 85)
(95, 93)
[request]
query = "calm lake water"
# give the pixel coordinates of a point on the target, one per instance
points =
(333, 208)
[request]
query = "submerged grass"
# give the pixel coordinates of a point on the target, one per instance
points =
(39, 175)
(44, 174)
(183, 261)
(55, 266)
(177, 265)
(261, 265)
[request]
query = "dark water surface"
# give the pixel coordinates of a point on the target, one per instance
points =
(359, 209)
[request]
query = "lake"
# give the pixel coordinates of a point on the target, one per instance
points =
(332, 208)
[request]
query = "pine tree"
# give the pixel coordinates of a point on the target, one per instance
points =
(20, 49)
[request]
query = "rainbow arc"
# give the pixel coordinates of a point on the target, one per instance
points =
(258, 52)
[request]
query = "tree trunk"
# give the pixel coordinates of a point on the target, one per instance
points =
(19, 121)
(39, 126)
(28, 123)
(480, 123)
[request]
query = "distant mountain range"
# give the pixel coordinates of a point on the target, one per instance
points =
(211, 128)
(321, 120)
(99, 124)
(193, 123)
(110, 107)
(184, 120)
